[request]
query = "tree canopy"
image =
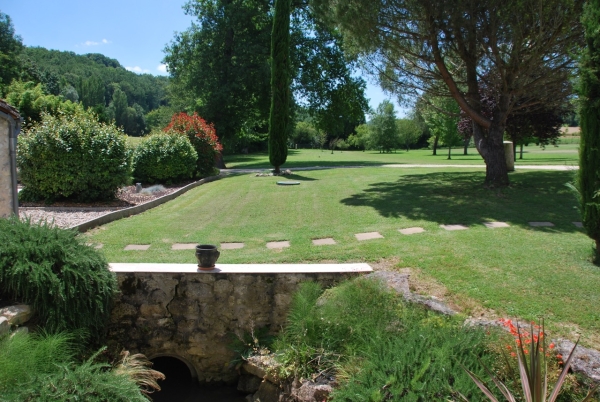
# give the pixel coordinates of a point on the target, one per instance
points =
(10, 48)
(522, 49)
(220, 68)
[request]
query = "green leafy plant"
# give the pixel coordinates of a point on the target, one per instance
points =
(66, 282)
(203, 138)
(164, 158)
(44, 367)
(72, 156)
(533, 370)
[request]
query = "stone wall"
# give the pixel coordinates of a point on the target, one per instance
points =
(193, 316)
(6, 186)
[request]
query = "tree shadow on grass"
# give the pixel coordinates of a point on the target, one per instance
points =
(461, 198)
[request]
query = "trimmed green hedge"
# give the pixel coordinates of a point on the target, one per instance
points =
(64, 280)
(164, 158)
(72, 156)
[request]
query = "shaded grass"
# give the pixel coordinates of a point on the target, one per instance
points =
(516, 271)
(561, 155)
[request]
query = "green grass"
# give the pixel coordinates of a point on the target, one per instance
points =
(517, 271)
(532, 154)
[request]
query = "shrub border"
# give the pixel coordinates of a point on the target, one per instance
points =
(124, 213)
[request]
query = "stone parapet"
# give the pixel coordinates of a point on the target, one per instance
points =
(194, 316)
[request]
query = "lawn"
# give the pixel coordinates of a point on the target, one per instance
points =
(532, 155)
(517, 271)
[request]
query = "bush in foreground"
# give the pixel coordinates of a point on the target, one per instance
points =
(72, 156)
(64, 280)
(43, 368)
(164, 158)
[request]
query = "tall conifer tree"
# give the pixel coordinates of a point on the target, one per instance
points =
(279, 118)
(589, 148)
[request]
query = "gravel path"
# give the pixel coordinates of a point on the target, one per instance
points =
(66, 214)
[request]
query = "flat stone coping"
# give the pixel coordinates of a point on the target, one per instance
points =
(242, 268)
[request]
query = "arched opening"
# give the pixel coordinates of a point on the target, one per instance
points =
(178, 384)
(181, 385)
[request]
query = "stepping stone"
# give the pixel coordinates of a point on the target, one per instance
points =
(578, 224)
(541, 224)
(98, 246)
(409, 231)
(323, 242)
(278, 244)
(231, 246)
(142, 247)
(492, 225)
(368, 236)
(454, 227)
(184, 246)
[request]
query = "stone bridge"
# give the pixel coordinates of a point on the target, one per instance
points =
(173, 310)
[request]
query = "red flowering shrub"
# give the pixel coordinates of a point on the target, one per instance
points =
(203, 138)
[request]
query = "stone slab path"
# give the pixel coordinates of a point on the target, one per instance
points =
(184, 246)
(138, 247)
(324, 242)
(409, 231)
(454, 227)
(368, 236)
(329, 241)
(493, 225)
(541, 224)
(232, 246)
(278, 244)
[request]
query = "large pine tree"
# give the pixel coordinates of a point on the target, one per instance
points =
(589, 148)
(279, 119)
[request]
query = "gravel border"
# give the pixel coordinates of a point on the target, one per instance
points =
(83, 219)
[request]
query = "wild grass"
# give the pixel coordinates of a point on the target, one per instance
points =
(378, 347)
(44, 367)
(519, 271)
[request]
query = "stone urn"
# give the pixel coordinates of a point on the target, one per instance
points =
(207, 256)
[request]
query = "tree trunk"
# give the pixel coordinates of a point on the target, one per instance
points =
(449, 152)
(435, 144)
(491, 148)
(521, 155)
(467, 140)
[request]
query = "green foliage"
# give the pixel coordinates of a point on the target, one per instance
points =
(441, 117)
(164, 158)
(42, 368)
(589, 148)
(158, 119)
(360, 139)
(65, 281)
(10, 47)
(379, 347)
(72, 156)
(32, 101)
(383, 128)
(408, 132)
(305, 135)
(279, 119)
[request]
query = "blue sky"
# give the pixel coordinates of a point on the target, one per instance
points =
(133, 32)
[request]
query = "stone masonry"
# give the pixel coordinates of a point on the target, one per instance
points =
(6, 191)
(195, 316)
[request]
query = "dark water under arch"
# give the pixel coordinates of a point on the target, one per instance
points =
(179, 386)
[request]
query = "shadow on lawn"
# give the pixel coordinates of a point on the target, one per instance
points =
(461, 198)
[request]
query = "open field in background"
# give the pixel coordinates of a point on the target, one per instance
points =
(517, 271)
(532, 155)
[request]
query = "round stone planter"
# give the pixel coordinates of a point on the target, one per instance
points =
(207, 255)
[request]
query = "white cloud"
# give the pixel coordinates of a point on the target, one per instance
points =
(92, 43)
(137, 69)
(162, 68)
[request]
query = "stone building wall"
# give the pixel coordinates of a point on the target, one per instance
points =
(6, 188)
(193, 316)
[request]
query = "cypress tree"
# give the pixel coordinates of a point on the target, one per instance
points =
(589, 148)
(279, 119)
